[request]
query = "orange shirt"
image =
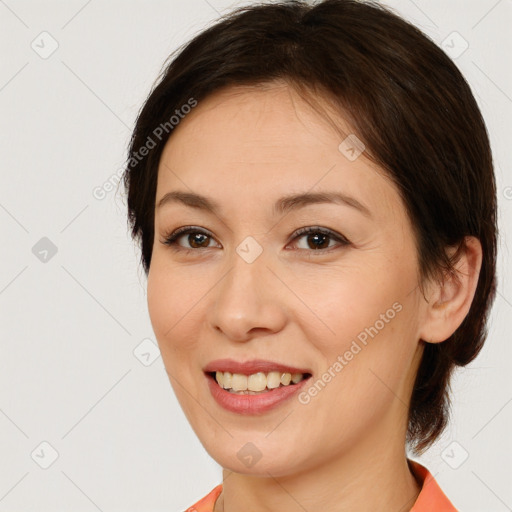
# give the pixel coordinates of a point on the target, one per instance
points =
(431, 496)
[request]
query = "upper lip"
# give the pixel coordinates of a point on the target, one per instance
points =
(250, 367)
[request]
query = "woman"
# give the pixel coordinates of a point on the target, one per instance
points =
(313, 191)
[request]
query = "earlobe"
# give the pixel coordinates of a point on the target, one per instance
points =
(451, 298)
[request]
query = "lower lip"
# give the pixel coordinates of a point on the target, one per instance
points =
(253, 404)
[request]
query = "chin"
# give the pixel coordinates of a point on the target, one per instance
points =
(257, 458)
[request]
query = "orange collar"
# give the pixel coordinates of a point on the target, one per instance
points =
(431, 496)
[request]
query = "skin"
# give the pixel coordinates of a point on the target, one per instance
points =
(344, 450)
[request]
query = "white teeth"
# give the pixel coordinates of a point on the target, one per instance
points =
(296, 377)
(227, 379)
(273, 380)
(239, 382)
(286, 378)
(257, 382)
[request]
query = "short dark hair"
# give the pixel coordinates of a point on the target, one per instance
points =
(402, 96)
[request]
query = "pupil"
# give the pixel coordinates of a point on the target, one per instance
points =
(196, 238)
(316, 236)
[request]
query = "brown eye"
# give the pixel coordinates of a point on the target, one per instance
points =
(195, 237)
(198, 240)
(318, 239)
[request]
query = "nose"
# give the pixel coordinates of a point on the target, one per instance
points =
(248, 301)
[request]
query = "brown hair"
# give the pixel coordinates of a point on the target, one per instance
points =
(403, 97)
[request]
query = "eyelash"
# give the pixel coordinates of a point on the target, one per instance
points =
(171, 239)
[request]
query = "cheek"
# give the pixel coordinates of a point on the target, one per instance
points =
(175, 299)
(338, 305)
(166, 306)
(174, 320)
(160, 298)
(168, 300)
(359, 324)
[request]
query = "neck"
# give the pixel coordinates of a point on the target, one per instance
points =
(367, 477)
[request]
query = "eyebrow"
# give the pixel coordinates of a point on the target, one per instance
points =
(282, 205)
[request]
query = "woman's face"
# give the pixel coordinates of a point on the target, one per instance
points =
(243, 285)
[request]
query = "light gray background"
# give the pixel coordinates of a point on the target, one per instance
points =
(73, 372)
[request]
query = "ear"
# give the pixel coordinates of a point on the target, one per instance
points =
(449, 301)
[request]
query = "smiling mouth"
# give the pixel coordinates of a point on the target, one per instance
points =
(256, 383)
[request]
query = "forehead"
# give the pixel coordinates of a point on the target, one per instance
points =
(265, 142)
(257, 115)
